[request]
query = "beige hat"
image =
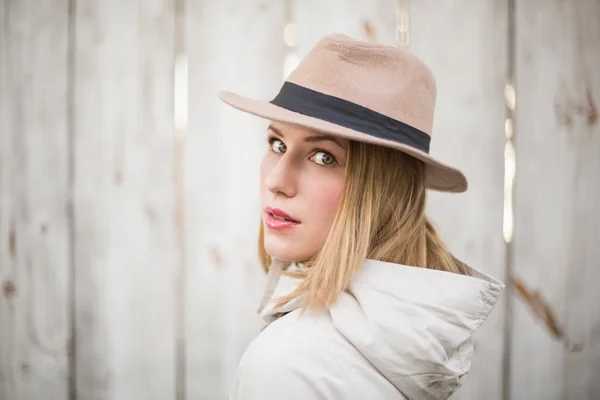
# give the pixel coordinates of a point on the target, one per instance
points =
(365, 92)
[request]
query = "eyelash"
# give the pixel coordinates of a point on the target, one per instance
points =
(272, 139)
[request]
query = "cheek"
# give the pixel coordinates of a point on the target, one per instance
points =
(323, 198)
(315, 203)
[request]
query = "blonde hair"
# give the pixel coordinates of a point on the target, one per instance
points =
(381, 216)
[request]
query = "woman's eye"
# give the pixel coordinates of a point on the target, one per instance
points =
(324, 158)
(277, 146)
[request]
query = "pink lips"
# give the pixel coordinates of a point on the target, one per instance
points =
(273, 222)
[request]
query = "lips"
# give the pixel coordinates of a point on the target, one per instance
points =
(280, 215)
(278, 220)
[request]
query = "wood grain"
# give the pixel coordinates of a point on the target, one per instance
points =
(34, 200)
(557, 223)
(125, 251)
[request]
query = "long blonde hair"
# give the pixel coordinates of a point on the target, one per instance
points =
(381, 216)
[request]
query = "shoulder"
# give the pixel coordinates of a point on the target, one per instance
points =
(286, 359)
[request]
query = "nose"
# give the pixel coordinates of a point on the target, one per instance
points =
(282, 178)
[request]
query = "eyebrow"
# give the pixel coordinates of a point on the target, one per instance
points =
(310, 139)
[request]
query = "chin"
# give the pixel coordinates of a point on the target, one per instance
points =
(284, 250)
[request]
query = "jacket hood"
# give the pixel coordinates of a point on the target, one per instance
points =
(414, 325)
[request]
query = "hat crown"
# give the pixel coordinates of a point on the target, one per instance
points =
(384, 79)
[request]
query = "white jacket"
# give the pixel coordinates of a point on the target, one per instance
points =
(398, 332)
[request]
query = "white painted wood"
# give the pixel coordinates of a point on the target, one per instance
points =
(373, 20)
(235, 46)
(124, 239)
(34, 190)
(557, 223)
(465, 44)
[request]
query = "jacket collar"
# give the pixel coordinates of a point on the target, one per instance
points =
(414, 325)
(391, 276)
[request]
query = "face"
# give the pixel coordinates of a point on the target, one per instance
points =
(302, 177)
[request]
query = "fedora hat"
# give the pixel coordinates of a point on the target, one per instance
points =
(361, 91)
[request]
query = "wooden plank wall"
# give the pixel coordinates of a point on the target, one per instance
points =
(124, 236)
(366, 20)
(236, 46)
(35, 232)
(465, 44)
(89, 195)
(557, 223)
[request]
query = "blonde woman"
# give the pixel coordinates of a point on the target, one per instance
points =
(363, 299)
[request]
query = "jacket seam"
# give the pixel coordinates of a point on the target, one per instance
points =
(460, 359)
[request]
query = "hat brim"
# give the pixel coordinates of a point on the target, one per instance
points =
(438, 176)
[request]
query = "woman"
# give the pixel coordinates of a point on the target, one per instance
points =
(363, 299)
